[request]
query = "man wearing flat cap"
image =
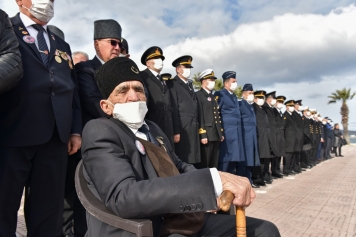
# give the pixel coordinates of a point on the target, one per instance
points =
(231, 149)
(269, 105)
(260, 174)
(132, 182)
(185, 112)
(276, 171)
(249, 133)
(159, 97)
(210, 130)
(107, 42)
(291, 141)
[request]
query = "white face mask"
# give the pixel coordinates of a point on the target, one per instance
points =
(42, 10)
(308, 113)
(273, 102)
(158, 64)
(324, 122)
(186, 73)
(122, 55)
(279, 106)
(250, 98)
(211, 85)
(131, 114)
(260, 102)
(291, 109)
(233, 86)
(301, 108)
(319, 118)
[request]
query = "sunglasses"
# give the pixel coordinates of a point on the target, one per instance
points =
(114, 43)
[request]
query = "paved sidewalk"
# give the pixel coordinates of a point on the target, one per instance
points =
(318, 202)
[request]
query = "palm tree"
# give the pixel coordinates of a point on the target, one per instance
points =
(218, 85)
(344, 95)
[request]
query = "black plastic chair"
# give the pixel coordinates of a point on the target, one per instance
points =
(140, 227)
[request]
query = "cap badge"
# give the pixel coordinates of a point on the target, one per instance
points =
(134, 70)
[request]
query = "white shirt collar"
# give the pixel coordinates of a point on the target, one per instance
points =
(28, 22)
(102, 61)
(230, 92)
(136, 130)
(207, 91)
(154, 72)
(185, 81)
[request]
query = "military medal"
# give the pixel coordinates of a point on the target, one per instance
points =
(53, 37)
(20, 28)
(24, 32)
(58, 59)
(140, 147)
(63, 55)
(56, 52)
(69, 58)
(28, 39)
(209, 99)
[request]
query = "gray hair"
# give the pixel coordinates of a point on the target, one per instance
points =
(82, 53)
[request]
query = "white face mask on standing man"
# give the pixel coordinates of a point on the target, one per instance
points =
(43, 10)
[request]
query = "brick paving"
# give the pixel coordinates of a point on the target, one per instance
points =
(317, 202)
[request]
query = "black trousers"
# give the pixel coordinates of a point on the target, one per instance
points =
(288, 162)
(209, 154)
(296, 165)
(225, 225)
(74, 213)
(42, 168)
(265, 167)
(276, 165)
(336, 148)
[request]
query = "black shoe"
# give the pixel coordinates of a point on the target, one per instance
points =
(296, 171)
(341, 156)
(292, 172)
(302, 169)
(261, 183)
(255, 185)
(309, 167)
(277, 175)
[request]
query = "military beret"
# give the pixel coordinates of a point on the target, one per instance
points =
(273, 94)
(56, 31)
(247, 87)
(107, 29)
(185, 60)
(228, 75)
(114, 72)
(207, 74)
(152, 52)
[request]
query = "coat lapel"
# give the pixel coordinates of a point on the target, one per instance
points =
(184, 85)
(153, 78)
(20, 29)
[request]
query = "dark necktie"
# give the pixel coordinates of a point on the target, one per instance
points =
(190, 84)
(42, 45)
(280, 112)
(144, 129)
(160, 79)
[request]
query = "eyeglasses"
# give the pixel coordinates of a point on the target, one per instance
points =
(114, 43)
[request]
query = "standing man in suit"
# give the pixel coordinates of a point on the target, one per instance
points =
(276, 168)
(249, 133)
(185, 112)
(231, 149)
(291, 141)
(107, 44)
(130, 181)
(299, 119)
(210, 131)
(159, 97)
(261, 173)
(305, 161)
(269, 105)
(46, 108)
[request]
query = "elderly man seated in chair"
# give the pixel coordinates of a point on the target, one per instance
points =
(131, 167)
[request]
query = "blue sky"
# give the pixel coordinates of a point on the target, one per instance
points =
(303, 49)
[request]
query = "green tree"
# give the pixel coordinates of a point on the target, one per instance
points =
(218, 85)
(343, 95)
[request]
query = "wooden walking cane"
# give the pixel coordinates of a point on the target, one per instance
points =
(226, 199)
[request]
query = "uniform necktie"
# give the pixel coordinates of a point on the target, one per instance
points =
(190, 84)
(144, 130)
(42, 45)
(280, 112)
